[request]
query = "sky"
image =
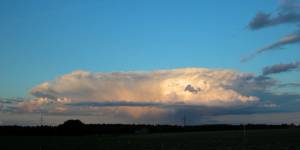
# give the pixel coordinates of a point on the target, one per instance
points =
(138, 61)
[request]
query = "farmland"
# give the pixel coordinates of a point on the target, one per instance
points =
(269, 139)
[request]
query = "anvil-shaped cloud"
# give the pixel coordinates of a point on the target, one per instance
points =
(166, 87)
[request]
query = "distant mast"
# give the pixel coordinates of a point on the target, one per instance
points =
(41, 119)
(184, 120)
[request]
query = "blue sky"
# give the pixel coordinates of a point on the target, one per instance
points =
(42, 40)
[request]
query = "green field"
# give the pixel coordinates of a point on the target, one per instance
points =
(281, 139)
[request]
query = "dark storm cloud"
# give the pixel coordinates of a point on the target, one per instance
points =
(270, 103)
(263, 20)
(288, 102)
(279, 68)
(250, 84)
(191, 89)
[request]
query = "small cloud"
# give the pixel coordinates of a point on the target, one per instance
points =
(287, 40)
(263, 20)
(289, 5)
(285, 85)
(190, 88)
(288, 12)
(279, 68)
(270, 105)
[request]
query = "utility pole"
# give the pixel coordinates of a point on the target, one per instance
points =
(244, 136)
(184, 120)
(244, 130)
(42, 119)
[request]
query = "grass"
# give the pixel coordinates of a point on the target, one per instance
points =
(280, 139)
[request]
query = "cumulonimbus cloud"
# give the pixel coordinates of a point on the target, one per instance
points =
(190, 86)
(155, 95)
(279, 68)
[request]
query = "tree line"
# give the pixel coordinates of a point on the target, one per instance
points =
(77, 128)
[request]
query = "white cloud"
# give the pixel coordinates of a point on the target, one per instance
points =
(31, 105)
(42, 104)
(161, 96)
(162, 86)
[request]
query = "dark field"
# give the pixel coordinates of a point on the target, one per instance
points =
(275, 139)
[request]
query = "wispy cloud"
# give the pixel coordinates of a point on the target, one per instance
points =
(287, 40)
(289, 5)
(287, 13)
(263, 20)
(288, 85)
(279, 68)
